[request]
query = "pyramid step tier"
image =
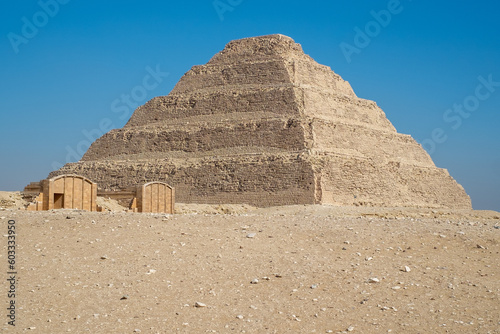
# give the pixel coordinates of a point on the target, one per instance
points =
(284, 178)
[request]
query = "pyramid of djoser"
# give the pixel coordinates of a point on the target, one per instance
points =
(262, 123)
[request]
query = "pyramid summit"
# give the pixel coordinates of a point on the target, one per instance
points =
(262, 123)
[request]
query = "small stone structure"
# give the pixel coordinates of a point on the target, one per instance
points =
(78, 192)
(63, 192)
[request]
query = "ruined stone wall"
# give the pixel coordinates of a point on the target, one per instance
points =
(307, 73)
(272, 100)
(351, 181)
(263, 73)
(279, 133)
(342, 108)
(261, 180)
(364, 142)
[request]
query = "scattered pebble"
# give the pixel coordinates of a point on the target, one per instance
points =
(254, 281)
(406, 269)
(198, 304)
(350, 328)
(373, 280)
(251, 235)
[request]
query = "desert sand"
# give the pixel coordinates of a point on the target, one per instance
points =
(239, 269)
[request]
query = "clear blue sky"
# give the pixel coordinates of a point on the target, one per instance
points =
(63, 68)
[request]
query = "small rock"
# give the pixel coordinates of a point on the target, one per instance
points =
(278, 275)
(314, 286)
(480, 247)
(124, 297)
(251, 235)
(104, 257)
(137, 330)
(198, 304)
(350, 328)
(254, 281)
(406, 269)
(373, 280)
(239, 317)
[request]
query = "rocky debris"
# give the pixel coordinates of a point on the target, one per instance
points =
(199, 304)
(456, 285)
(373, 280)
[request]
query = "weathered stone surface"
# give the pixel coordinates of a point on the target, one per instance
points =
(264, 124)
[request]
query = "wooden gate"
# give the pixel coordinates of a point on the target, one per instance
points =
(157, 197)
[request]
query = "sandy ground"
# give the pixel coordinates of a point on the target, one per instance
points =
(297, 269)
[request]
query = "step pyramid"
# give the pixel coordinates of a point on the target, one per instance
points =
(262, 123)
